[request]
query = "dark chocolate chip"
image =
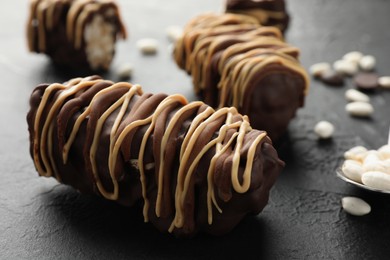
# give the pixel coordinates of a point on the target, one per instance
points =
(332, 78)
(366, 81)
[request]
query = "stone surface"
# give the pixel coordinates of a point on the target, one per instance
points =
(41, 219)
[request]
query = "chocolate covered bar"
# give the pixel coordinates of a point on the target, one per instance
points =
(267, 12)
(76, 34)
(194, 169)
(236, 62)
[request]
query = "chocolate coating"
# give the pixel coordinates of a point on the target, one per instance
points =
(75, 34)
(194, 169)
(244, 65)
(268, 12)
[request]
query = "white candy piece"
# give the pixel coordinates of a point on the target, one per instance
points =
(147, 45)
(356, 153)
(353, 170)
(125, 71)
(319, 68)
(384, 82)
(356, 95)
(345, 67)
(355, 206)
(174, 32)
(353, 56)
(372, 162)
(324, 129)
(384, 152)
(367, 63)
(377, 180)
(359, 109)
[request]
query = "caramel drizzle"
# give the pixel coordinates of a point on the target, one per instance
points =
(238, 63)
(55, 96)
(42, 15)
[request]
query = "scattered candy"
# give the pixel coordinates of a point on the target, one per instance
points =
(384, 152)
(368, 167)
(319, 68)
(359, 109)
(324, 129)
(147, 46)
(377, 180)
(345, 67)
(174, 32)
(366, 81)
(384, 82)
(353, 56)
(356, 153)
(353, 95)
(367, 63)
(125, 71)
(353, 170)
(355, 206)
(332, 78)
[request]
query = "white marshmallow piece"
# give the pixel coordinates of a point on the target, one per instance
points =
(125, 71)
(359, 109)
(384, 82)
(355, 206)
(367, 63)
(324, 129)
(353, 170)
(353, 56)
(319, 68)
(377, 180)
(345, 67)
(147, 46)
(174, 32)
(353, 95)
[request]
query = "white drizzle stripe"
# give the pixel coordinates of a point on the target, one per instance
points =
(164, 142)
(195, 123)
(184, 181)
(161, 107)
(210, 185)
(40, 141)
(123, 102)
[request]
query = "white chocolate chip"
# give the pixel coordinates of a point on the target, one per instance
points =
(353, 56)
(353, 170)
(174, 32)
(355, 206)
(359, 109)
(356, 95)
(125, 71)
(367, 63)
(345, 67)
(324, 129)
(319, 68)
(384, 82)
(357, 153)
(377, 180)
(147, 45)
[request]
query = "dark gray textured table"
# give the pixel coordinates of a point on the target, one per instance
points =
(40, 219)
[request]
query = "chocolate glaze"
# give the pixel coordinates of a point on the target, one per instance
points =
(94, 97)
(48, 29)
(279, 6)
(240, 67)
